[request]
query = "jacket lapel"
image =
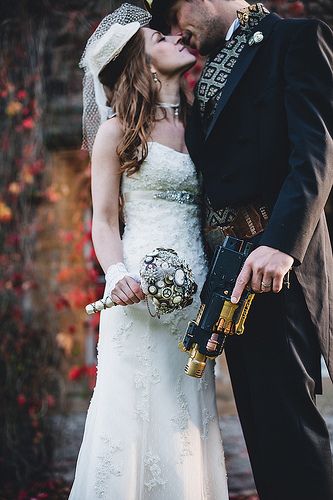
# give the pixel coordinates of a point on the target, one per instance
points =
(243, 62)
(194, 136)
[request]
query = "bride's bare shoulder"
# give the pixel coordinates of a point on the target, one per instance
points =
(109, 133)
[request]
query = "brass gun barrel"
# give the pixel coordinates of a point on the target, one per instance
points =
(196, 364)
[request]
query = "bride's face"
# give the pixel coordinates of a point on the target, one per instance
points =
(167, 54)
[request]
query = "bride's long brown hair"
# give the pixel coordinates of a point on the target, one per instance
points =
(133, 94)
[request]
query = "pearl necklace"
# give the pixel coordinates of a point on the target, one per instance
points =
(167, 105)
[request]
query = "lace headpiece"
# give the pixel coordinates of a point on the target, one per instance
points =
(104, 45)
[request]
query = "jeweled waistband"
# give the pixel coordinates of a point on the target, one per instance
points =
(185, 197)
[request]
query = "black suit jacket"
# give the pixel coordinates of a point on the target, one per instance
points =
(271, 139)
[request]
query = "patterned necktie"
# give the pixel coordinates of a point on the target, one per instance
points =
(219, 66)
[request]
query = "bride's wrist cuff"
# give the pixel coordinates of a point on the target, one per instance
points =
(114, 273)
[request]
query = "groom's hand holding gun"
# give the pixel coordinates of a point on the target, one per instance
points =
(218, 317)
(234, 276)
(265, 270)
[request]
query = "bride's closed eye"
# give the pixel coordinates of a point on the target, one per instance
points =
(158, 37)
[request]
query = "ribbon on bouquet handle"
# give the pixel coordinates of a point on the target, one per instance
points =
(165, 278)
(100, 305)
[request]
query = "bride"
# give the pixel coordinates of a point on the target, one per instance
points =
(152, 432)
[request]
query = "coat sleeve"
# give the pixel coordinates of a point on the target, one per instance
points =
(309, 109)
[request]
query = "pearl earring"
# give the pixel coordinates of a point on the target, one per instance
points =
(155, 77)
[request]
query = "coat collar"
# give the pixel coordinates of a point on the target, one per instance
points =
(243, 62)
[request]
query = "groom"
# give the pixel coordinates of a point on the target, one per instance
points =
(261, 134)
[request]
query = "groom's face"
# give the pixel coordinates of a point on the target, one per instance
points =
(199, 24)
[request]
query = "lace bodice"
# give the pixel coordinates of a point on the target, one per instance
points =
(164, 169)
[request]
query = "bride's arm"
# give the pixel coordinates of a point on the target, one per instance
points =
(105, 188)
(105, 185)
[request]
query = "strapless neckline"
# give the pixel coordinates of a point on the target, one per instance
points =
(168, 147)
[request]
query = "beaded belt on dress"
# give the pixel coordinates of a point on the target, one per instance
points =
(168, 195)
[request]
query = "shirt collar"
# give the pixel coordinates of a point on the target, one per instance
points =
(232, 29)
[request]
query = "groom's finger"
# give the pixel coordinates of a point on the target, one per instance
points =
(243, 279)
(277, 282)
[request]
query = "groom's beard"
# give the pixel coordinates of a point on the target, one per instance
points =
(210, 38)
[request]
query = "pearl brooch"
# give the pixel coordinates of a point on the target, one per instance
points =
(257, 37)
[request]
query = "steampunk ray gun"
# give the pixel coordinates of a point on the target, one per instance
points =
(218, 317)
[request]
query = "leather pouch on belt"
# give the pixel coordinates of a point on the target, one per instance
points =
(249, 221)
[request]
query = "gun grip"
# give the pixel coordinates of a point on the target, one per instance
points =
(239, 326)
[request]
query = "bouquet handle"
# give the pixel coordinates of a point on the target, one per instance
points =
(100, 305)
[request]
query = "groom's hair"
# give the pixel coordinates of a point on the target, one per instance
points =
(164, 14)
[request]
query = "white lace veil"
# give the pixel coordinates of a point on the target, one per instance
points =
(95, 110)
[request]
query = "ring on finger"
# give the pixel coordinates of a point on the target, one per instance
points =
(266, 285)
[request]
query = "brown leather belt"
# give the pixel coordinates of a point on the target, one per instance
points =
(241, 222)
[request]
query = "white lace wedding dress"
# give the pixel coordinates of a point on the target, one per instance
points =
(152, 432)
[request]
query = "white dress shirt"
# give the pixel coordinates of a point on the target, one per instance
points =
(232, 29)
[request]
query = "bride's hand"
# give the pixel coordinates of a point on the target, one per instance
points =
(127, 291)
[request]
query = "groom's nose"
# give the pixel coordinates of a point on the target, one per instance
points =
(185, 38)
